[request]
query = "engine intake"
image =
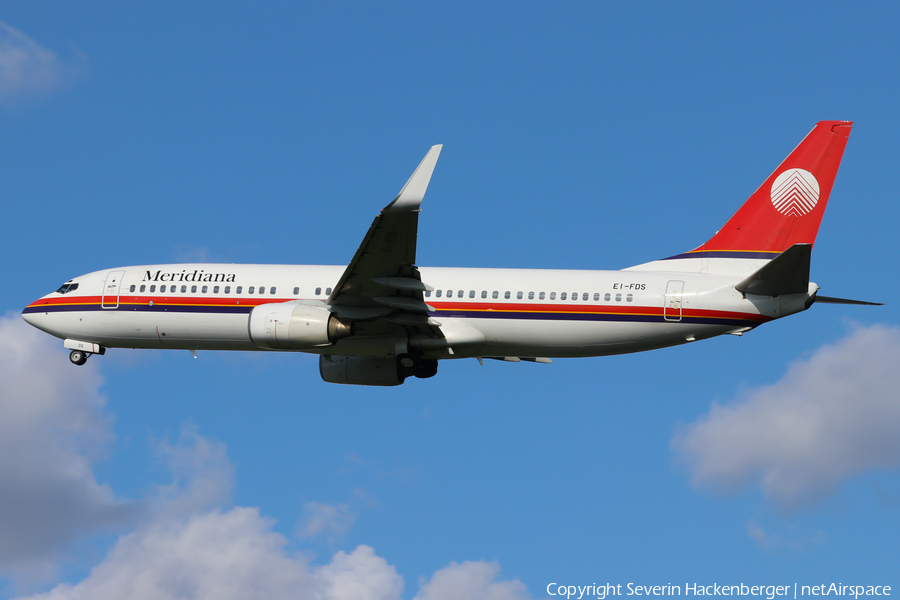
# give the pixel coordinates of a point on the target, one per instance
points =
(292, 326)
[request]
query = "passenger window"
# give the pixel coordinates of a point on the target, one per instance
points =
(215, 289)
(427, 294)
(193, 289)
(518, 295)
(272, 291)
(162, 288)
(495, 294)
(184, 289)
(618, 297)
(553, 295)
(459, 294)
(531, 295)
(251, 289)
(262, 289)
(471, 293)
(629, 297)
(296, 291)
(327, 291)
(541, 296)
(484, 293)
(574, 296)
(318, 291)
(152, 288)
(596, 297)
(227, 289)
(438, 293)
(606, 296)
(239, 289)
(131, 288)
(143, 287)
(562, 296)
(506, 295)
(584, 296)
(204, 289)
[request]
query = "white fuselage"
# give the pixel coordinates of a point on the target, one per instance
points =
(488, 312)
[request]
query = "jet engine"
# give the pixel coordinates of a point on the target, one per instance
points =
(358, 370)
(293, 326)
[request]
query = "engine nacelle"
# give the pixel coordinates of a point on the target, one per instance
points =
(292, 326)
(358, 370)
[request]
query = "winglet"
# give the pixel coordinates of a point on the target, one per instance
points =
(413, 192)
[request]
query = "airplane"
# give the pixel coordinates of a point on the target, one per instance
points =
(382, 318)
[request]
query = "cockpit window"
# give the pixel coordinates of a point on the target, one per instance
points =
(67, 287)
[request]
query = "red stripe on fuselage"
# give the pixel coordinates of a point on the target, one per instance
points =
(485, 307)
(610, 309)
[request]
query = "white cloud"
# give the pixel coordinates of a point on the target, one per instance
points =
(52, 428)
(202, 475)
(222, 554)
(780, 543)
(360, 575)
(185, 253)
(471, 580)
(184, 542)
(227, 555)
(234, 554)
(28, 69)
(334, 520)
(830, 418)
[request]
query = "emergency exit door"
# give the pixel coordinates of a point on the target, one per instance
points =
(673, 301)
(111, 290)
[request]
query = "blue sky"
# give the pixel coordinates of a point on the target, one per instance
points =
(576, 135)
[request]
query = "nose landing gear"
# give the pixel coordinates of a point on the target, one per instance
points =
(80, 351)
(78, 357)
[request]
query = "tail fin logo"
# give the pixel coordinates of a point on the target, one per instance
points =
(795, 192)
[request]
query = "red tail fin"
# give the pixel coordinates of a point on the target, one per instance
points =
(788, 207)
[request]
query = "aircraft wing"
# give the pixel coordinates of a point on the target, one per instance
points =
(383, 273)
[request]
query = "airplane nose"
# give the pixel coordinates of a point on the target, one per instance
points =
(32, 318)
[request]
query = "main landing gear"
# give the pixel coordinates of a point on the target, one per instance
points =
(416, 366)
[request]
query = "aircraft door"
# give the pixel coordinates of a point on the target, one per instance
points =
(673, 301)
(111, 289)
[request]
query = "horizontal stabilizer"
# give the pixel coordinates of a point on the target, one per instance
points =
(830, 300)
(787, 273)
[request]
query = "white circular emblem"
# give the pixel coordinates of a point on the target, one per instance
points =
(795, 192)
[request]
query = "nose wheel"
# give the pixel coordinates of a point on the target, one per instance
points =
(78, 357)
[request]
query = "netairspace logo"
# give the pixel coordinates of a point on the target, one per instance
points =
(770, 592)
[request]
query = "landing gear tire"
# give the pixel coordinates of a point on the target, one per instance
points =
(414, 366)
(78, 357)
(426, 368)
(406, 366)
